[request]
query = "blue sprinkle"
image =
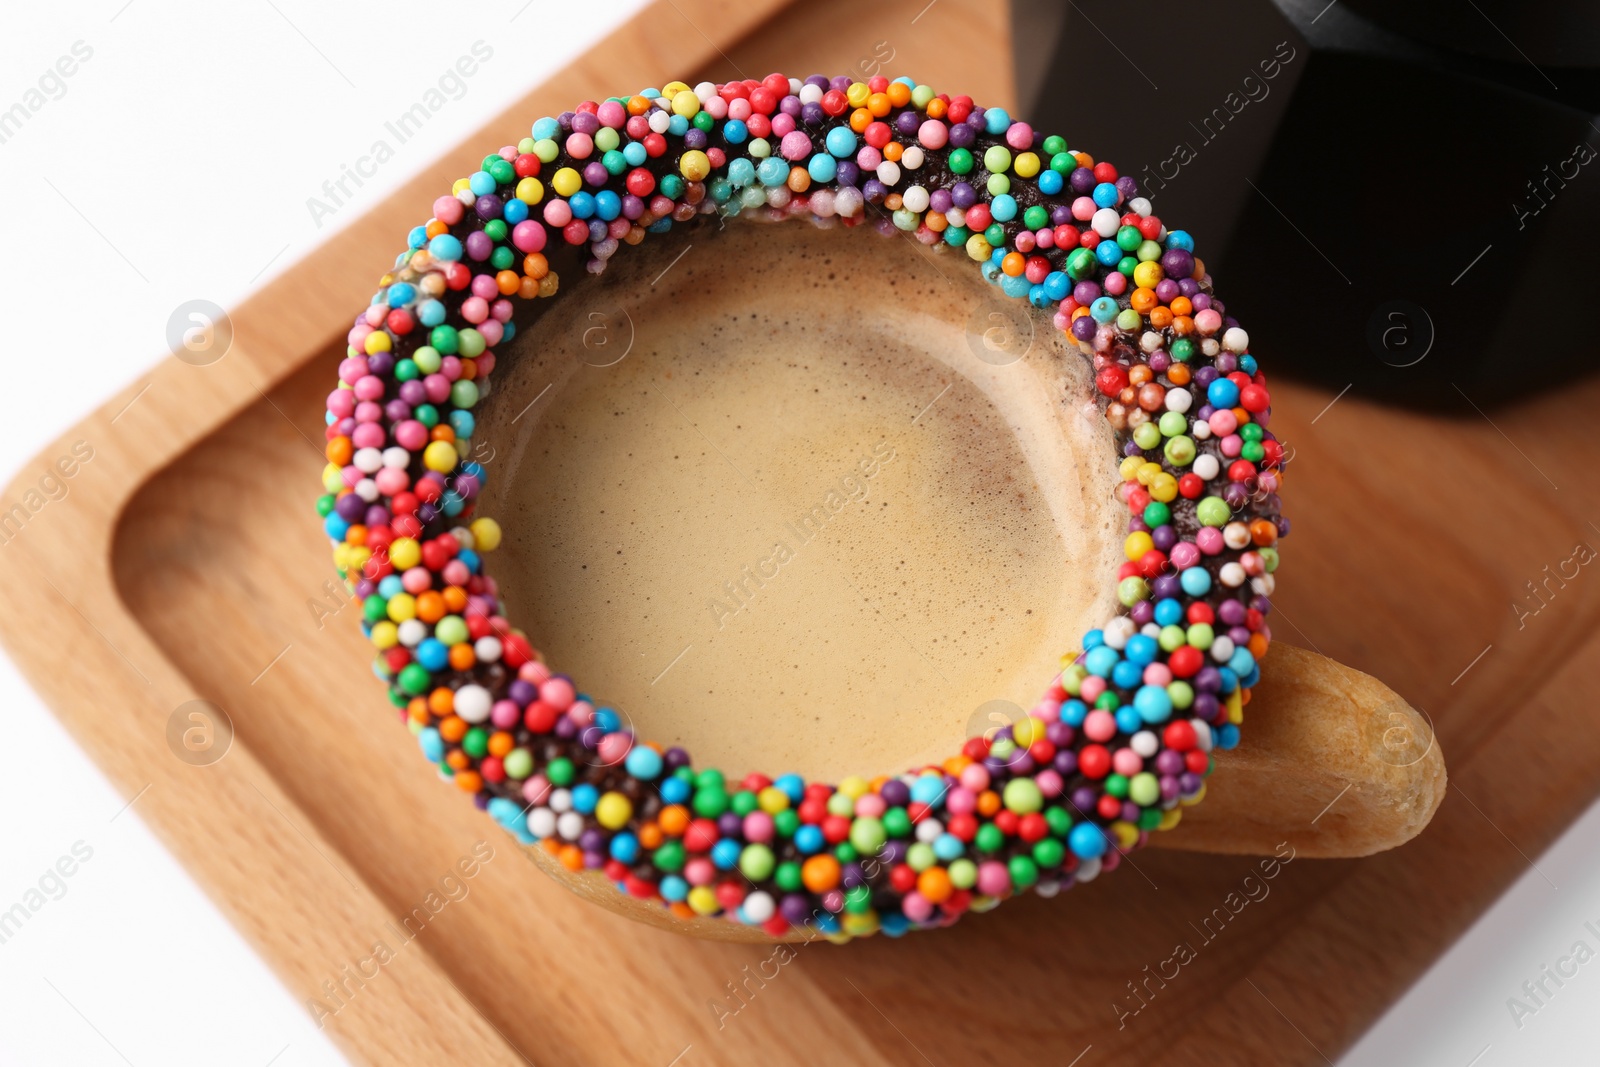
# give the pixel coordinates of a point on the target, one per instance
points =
(432, 745)
(1129, 721)
(445, 247)
(1087, 841)
(725, 854)
(1153, 704)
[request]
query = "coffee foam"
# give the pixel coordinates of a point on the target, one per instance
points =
(768, 502)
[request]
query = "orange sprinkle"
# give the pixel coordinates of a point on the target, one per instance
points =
(507, 282)
(937, 108)
(860, 119)
(879, 104)
(673, 820)
(469, 781)
(535, 266)
(452, 729)
(339, 451)
(934, 884)
(1178, 374)
(455, 598)
(442, 701)
(650, 836)
(899, 94)
(1160, 317)
(430, 606)
(462, 657)
(820, 873)
(501, 743)
(435, 228)
(571, 858)
(988, 802)
(893, 151)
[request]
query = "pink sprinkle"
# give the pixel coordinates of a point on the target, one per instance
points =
(536, 790)
(448, 210)
(557, 213)
(993, 879)
(529, 236)
(795, 146)
(558, 693)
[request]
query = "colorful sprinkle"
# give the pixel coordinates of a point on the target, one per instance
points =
(1123, 737)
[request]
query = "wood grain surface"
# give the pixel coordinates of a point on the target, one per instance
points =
(321, 833)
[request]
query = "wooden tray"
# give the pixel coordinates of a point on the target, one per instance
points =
(184, 565)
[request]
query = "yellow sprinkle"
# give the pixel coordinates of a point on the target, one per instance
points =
(440, 456)
(854, 787)
(566, 181)
(404, 553)
(530, 190)
(695, 165)
(402, 607)
(485, 534)
(685, 103)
